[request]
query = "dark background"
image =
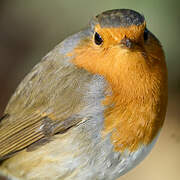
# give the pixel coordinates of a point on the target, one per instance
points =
(29, 29)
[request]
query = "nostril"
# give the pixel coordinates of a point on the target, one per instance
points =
(126, 42)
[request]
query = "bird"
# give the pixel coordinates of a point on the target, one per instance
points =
(92, 108)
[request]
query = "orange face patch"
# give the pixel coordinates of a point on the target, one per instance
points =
(138, 80)
(113, 36)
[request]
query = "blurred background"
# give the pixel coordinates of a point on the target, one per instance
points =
(29, 29)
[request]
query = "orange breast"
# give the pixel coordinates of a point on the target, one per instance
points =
(137, 105)
(132, 124)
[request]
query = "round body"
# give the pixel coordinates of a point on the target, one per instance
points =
(92, 108)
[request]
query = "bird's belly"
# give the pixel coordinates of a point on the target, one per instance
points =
(73, 156)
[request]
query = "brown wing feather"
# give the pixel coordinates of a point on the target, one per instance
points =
(43, 104)
(14, 136)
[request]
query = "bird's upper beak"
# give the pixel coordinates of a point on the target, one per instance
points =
(126, 42)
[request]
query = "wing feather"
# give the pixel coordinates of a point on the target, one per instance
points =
(47, 99)
(17, 140)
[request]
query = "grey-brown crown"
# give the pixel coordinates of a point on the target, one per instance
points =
(119, 18)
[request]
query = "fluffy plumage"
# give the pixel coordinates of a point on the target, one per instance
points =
(88, 111)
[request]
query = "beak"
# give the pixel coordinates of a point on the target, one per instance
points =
(126, 42)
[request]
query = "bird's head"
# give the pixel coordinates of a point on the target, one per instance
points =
(121, 49)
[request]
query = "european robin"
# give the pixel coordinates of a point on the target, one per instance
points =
(92, 108)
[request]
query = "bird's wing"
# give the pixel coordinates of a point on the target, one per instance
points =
(46, 102)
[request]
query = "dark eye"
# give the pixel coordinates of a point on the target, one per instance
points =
(97, 39)
(146, 32)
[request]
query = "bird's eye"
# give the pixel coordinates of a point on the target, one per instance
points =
(97, 39)
(146, 32)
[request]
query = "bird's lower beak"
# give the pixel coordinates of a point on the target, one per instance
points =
(126, 42)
